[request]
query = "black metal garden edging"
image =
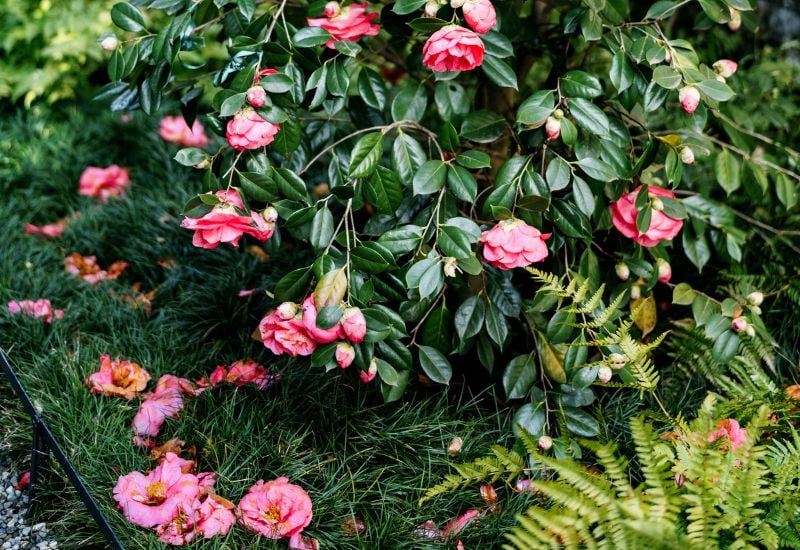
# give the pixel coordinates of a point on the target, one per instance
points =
(44, 441)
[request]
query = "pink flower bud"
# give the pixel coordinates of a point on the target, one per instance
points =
(431, 8)
(354, 325)
(668, 56)
(368, 376)
(736, 20)
(604, 374)
(689, 97)
(657, 204)
(479, 15)
(664, 270)
(287, 310)
(739, 324)
(725, 68)
(345, 353)
(623, 271)
(455, 446)
(256, 96)
(552, 127)
(332, 9)
(617, 361)
(687, 155)
(109, 43)
(270, 215)
(755, 298)
(545, 442)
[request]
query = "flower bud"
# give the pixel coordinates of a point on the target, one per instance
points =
(256, 96)
(623, 271)
(552, 127)
(287, 310)
(739, 324)
(668, 56)
(455, 4)
(431, 8)
(203, 164)
(755, 298)
(636, 292)
(687, 155)
(455, 446)
(109, 43)
(524, 486)
(332, 9)
(725, 68)
(354, 325)
(736, 20)
(269, 214)
(657, 204)
(545, 442)
(750, 331)
(719, 78)
(689, 97)
(604, 373)
(664, 271)
(345, 353)
(558, 114)
(450, 265)
(368, 376)
(617, 360)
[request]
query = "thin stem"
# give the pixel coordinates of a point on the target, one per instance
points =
(415, 330)
(274, 21)
(434, 216)
(756, 135)
(745, 155)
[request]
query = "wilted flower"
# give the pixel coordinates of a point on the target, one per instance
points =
(792, 392)
(87, 268)
(119, 378)
(729, 428)
(224, 224)
(455, 446)
(275, 509)
(41, 308)
(248, 372)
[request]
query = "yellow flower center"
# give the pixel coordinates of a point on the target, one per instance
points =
(272, 514)
(157, 492)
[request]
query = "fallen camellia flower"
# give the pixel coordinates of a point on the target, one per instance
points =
(353, 525)
(41, 308)
(24, 481)
(276, 509)
(455, 526)
(118, 378)
(87, 268)
(249, 372)
(174, 446)
(165, 401)
(50, 231)
(729, 428)
(104, 183)
(136, 299)
(158, 497)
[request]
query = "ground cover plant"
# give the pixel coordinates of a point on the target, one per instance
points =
(591, 228)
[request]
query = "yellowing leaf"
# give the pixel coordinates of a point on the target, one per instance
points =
(330, 289)
(552, 358)
(643, 312)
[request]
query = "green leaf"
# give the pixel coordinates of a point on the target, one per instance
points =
(662, 9)
(726, 169)
(496, 325)
(716, 10)
(410, 104)
(558, 174)
(786, 189)
(293, 285)
(372, 89)
(402, 239)
(308, 37)
(469, 317)
(288, 138)
(483, 126)
(337, 80)
(289, 184)
(277, 83)
(448, 137)
(499, 72)
(673, 168)
(437, 330)
(348, 48)
(232, 105)
(386, 372)
(127, 17)
(454, 241)
(580, 84)
(570, 221)
(584, 197)
(683, 294)
(531, 418)
(430, 177)
(597, 169)
(247, 8)
(714, 89)
(535, 110)
(403, 7)
(258, 186)
(581, 423)
(695, 246)
(451, 100)
(654, 97)
(462, 184)
(497, 44)
(427, 24)
(407, 156)
(569, 133)
(366, 154)
(725, 346)
(435, 365)
(474, 160)
(383, 190)
(643, 219)
(321, 228)
(518, 376)
(589, 116)
(667, 77)
(621, 74)
(190, 156)
(372, 257)
(328, 316)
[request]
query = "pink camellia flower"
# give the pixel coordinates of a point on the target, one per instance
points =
(354, 325)
(453, 48)
(689, 97)
(725, 68)
(730, 429)
(181, 530)
(275, 509)
(286, 335)
(41, 308)
(455, 526)
(345, 353)
(320, 335)
(158, 497)
(248, 372)
(50, 231)
(87, 268)
(662, 227)
(166, 401)
(247, 130)
(224, 224)
(119, 378)
(215, 516)
(513, 243)
(256, 96)
(218, 375)
(350, 23)
(175, 130)
(479, 15)
(104, 183)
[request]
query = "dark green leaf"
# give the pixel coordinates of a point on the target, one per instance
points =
(372, 89)
(308, 37)
(483, 126)
(430, 177)
(383, 190)
(518, 376)
(127, 17)
(366, 154)
(462, 184)
(435, 365)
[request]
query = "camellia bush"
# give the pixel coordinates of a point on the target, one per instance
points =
(466, 185)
